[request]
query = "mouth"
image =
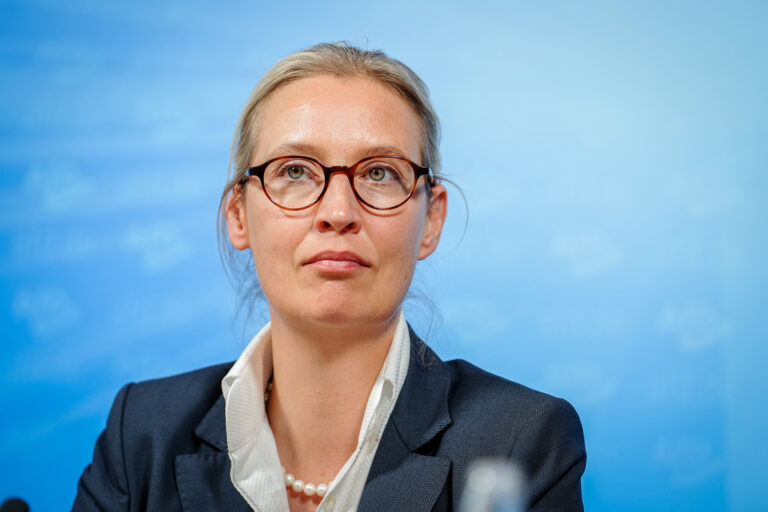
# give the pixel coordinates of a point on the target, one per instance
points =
(337, 262)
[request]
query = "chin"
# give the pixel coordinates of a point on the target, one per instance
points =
(340, 314)
(335, 315)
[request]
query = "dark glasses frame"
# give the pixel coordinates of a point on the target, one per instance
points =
(418, 170)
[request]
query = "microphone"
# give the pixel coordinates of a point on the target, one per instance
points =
(494, 485)
(14, 505)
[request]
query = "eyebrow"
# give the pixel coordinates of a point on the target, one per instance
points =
(293, 148)
(306, 149)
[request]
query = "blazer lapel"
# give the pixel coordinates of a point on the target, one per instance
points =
(404, 476)
(202, 478)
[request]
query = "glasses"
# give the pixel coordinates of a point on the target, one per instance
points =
(379, 182)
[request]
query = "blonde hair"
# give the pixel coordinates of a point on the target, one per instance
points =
(337, 59)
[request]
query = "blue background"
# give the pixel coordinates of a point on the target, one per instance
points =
(613, 155)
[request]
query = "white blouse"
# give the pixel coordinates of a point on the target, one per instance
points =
(256, 471)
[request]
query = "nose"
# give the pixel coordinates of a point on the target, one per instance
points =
(338, 209)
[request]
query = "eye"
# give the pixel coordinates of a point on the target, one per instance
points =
(378, 173)
(382, 173)
(295, 172)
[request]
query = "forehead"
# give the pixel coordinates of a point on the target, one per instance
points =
(338, 120)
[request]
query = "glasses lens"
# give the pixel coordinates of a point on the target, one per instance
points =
(384, 182)
(293, 182)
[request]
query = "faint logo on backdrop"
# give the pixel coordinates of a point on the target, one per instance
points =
(60, 187)
(696, 325)
(47, 311)
(159, 246)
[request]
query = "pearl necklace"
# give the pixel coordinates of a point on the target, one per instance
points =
(298, 486)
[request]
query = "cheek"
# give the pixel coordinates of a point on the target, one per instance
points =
(272, 241)
(399, 244)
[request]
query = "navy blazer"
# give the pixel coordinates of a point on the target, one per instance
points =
(165, 447)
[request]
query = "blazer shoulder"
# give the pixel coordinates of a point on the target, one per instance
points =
(172, 404)
(540, 432)
(150, 423)
(482, 401)
(203, 380)
(473, 385)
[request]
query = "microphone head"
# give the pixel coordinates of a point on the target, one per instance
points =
(14, 505)
(494, 485)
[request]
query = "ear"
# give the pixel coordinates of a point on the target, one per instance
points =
(433, 224)
(237, 220)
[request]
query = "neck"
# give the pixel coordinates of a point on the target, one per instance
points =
(322, 378)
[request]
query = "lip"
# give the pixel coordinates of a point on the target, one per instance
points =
(337, 261)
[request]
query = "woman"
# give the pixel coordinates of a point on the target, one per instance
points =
(336, 404)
